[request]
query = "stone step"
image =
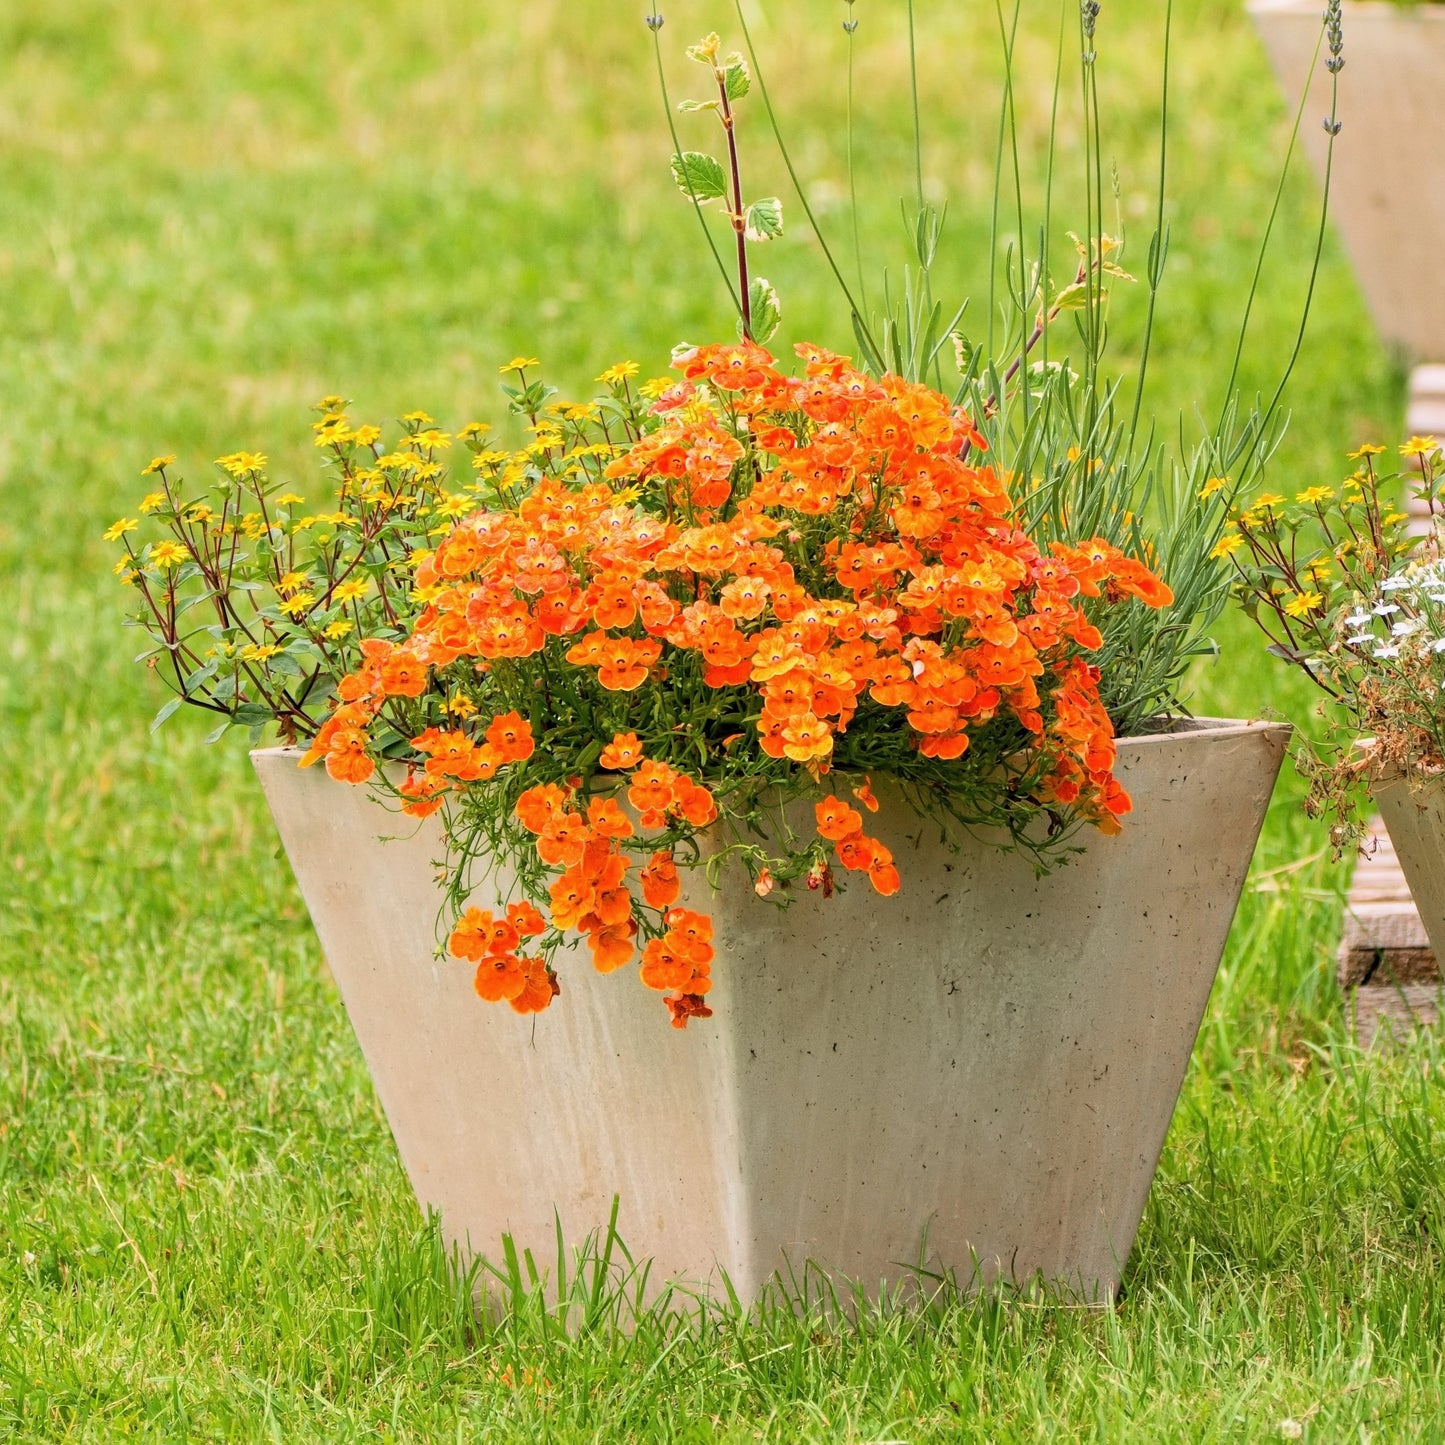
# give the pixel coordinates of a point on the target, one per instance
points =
(1385, 965)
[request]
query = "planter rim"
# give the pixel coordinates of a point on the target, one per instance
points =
(1195, 727)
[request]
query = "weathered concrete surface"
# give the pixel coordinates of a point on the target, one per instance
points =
(976, 1074)
(1414, 814)
(1387, 186)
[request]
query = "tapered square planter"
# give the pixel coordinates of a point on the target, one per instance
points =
(1414, 814)
(1387, 183)
(975, 1075)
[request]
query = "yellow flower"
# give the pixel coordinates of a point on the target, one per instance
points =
(368, 435)
(301, 602)
(1303, 602)
(1311, 495)
(461, 705)
(1214, 484)
(117, 530)
(238, 464)
(339, 628)
(290, 499)
(1318, 571)
(152, 500)
(1419, 447)
(167, 554)
(656, 386)
(1368, 450)
(158, 464)
(421, 418)
(518, 363)
(1390, 518)
(352, 591)
(474, 430)
(253, 653)
(1267, 500)
(333, 436)
(1228, 543)
(292, 582)
(431, 439)
(453, 505)
(331, 403)
(616, 375)
(200, 513)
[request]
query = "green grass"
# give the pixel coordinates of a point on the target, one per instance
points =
(209, 219)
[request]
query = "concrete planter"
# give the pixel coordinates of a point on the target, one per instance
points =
(975, 1075)
(1387, 190)
(1414, 814)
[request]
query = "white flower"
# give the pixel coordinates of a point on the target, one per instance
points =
(1406, 629)
(1384, 652)
(1360, 639)
(1358, 619)
(1438, 645)
(1393, 584)
(1385, 609)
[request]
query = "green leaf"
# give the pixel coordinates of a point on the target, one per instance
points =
(699, 176)
(253, 714)
(763, 220)
(766, 309)
(216, 734)
(1073, 297)
(686, 107)
(736, 80)
(167, 711)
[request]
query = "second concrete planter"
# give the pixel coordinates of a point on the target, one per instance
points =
(1387, 185)
(1414, 814)
(974, 1076)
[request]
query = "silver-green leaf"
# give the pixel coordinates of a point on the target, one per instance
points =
(763, 219)
(765, 308)
(699, 176)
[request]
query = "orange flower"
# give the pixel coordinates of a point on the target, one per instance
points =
(806, 737)
(612, 945)
(624, 663)
(424, 795)
(537, 806)
(622, 753)
(499, 976)
(564, 839)
(687, 1006)
(864, 793)
(510, 736)
(607, 820)
(403, 676)
(660, 882)
(539, 987)
(346, 758)
(836, 820)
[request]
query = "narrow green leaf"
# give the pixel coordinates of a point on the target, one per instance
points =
(167, 711)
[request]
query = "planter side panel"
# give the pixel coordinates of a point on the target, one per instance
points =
(979, 1073)
(501, 1119)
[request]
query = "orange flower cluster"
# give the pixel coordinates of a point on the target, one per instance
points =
(830, 556)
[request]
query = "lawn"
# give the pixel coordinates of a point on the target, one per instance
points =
(211, 217)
